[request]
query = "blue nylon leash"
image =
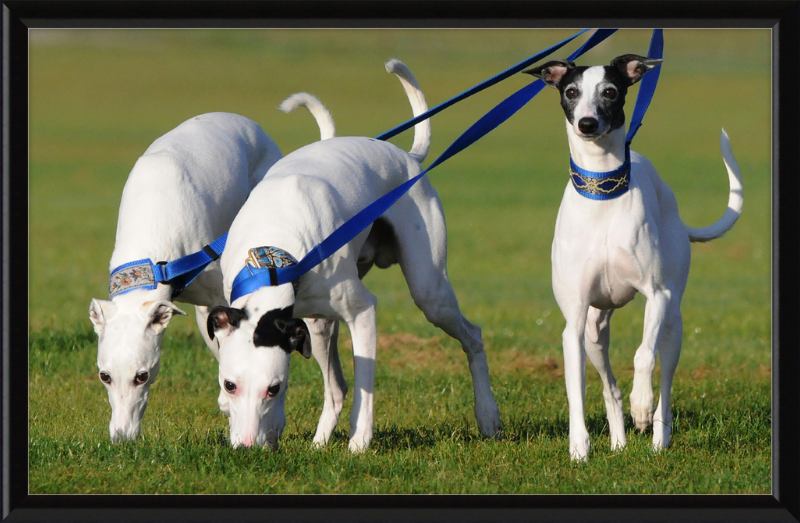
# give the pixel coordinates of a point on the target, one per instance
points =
(613, 184)
(250, 279)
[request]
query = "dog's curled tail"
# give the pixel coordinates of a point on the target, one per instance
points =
(422, 131)
(735, 198)
(324, 119)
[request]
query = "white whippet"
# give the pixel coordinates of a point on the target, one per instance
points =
(307, 195)
(604, 251)
(180, 195)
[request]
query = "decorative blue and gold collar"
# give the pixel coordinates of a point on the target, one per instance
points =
(601, 186)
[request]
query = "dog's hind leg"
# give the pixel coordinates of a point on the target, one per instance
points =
(669, 350)
(597, 340)
(422, 240)
(324, 347)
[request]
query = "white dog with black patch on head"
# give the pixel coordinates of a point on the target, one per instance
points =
(605, 250)
(307, 195)
(182, 194)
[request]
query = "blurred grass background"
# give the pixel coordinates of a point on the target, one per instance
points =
(98, 98)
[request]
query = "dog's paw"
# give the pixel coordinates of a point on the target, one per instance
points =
(661, 434)
(579, 450)
(489, 422)
(357, 447)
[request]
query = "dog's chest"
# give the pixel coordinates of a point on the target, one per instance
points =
(598, 251)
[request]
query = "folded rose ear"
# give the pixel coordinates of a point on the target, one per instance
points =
(551, 72)
(159, 313)
(299, 338)
(100, 311)
(633, 66)
(223, 320)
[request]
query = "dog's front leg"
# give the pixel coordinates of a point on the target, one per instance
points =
(575, 377)
(324, 347)
(645, 359)
(201, 315)
(363, 331)
(598, 338)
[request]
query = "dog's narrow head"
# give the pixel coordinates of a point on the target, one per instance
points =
(593, 97)
(129, 356)
(256, 342)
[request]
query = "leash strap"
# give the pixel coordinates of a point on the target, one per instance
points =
(478, 88)
(249, 280)
(144, 274)
(613, 184)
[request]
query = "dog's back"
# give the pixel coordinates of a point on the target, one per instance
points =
(314, 190)
(185, 190)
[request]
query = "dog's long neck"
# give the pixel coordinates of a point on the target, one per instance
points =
(601, 155)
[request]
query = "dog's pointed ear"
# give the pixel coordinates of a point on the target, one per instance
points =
(633, 66)
(159, 313)
(297, 332)
(551, 72)
(100, 311)
(223, 320)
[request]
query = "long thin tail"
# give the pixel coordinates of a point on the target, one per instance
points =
(735, 198)
(422, 131)
(324, 119)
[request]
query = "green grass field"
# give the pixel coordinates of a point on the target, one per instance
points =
(99, 98)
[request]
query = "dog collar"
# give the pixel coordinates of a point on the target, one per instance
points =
(601, 186)
(260, 270)
(144, 274)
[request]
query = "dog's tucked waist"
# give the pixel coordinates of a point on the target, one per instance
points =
(601, 186)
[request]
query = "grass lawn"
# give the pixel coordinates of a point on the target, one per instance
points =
(99, 98)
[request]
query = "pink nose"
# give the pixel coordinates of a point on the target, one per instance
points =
(247, 441)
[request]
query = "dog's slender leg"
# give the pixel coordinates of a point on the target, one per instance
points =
(423, 259)
(324, 347)
(598, 337)
(575, 377)
(645, 359)
(201, 315)
(669, 351)
(363, 331)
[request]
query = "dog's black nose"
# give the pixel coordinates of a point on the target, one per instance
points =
(588, 125)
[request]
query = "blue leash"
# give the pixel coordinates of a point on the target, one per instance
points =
(613, 184)
(251, 278)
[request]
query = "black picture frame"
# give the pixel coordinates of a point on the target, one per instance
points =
(782, 16)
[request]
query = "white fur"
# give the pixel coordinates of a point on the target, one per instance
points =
(606, 251)
(327, 129)
(310, 193)
(182, 194)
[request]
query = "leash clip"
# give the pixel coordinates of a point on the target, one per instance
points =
(252, 261)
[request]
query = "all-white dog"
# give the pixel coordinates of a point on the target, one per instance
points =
(606, 250)
(307, 195)
(182, 194)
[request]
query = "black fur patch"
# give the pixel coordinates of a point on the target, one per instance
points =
(277, 328)
(220, 317)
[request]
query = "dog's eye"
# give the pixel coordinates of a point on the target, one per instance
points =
(105, 378)
(571, 93)
(274, 390)
(141, 378)
(230, 386)
(610, 93)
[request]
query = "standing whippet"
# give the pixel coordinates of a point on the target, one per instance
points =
(618, 232)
